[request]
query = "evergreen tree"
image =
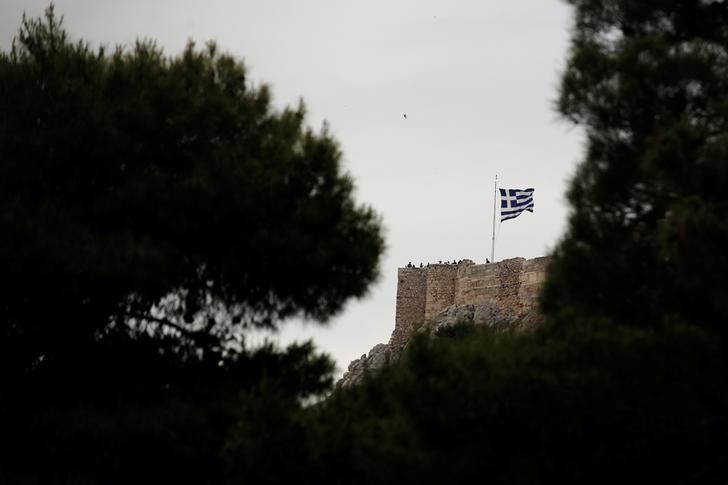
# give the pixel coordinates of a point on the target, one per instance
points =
(153, 209)
(646, 241)
(164, 196)
(597, 403)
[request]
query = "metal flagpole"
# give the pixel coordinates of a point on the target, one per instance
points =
(492, 247)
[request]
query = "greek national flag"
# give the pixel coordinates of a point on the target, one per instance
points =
(515, 201)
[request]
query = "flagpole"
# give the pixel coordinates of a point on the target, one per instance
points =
(492, 247)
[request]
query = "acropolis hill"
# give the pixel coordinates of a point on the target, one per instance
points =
(501, 295)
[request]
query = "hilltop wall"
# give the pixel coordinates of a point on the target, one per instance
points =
(512, 285)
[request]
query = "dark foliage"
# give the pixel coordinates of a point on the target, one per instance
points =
(163, 194)
(577, 401)
(150, 418)
(594, 403)
(154, 208)
(647, 236)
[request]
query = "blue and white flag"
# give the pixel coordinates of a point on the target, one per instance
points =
(515, 201)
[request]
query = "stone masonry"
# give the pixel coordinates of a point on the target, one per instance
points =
(511, 285)
(502, 295)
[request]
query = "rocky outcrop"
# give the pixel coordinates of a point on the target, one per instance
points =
(380, 356)
(489, 314)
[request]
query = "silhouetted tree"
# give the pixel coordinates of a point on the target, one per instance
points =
(162, 195)
(593, 403)
(648, 230)
(153, 208)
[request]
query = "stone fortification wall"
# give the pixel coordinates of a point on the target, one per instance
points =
(532, 277)
(411, 290)
(501, 295)
(440, 292)
(512, 285)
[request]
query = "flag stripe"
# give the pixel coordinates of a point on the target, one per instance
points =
(518, 208)
(529, 207)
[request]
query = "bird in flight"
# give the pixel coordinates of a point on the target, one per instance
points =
(405, 116)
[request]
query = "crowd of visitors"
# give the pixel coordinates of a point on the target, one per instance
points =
(456, 262)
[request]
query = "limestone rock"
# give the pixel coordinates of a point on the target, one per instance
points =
(379, 356)
(488, 314)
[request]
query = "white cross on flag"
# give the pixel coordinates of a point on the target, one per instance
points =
(515, 201)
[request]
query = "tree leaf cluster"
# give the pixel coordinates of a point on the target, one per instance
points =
(160, 195)
(154, 209)
(648, 82)
(593, 402)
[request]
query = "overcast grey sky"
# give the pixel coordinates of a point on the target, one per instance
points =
(476, 79)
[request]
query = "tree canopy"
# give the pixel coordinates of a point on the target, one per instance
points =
(163, 195)
(153, 209)
(648, 81)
